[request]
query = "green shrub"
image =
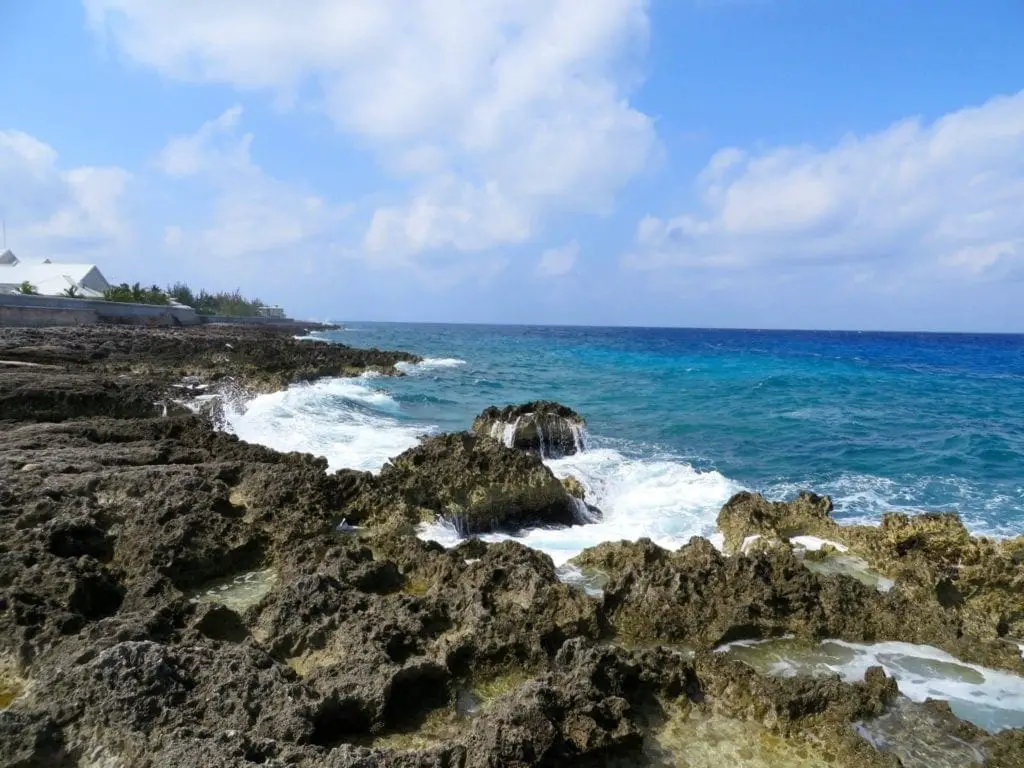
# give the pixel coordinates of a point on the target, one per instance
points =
(231, 303)
(136, 294)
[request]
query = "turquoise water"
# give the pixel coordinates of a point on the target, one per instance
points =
(878, 421)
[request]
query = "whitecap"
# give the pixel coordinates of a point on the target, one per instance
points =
(347, 421)
(429, 363)
(666, 501)
(814, 544)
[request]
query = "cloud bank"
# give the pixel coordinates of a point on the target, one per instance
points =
(940, 199)
(496, 113)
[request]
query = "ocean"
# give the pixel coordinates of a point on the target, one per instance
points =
(680, 420)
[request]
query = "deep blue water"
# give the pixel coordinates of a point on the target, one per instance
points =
(877, 420)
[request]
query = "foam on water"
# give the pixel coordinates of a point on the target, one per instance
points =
(430, 363)
(989, 698)
(666, 501)
(348, 421)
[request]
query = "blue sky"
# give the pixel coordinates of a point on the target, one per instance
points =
(751, 163)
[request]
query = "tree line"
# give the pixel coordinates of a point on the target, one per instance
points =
(231, 303)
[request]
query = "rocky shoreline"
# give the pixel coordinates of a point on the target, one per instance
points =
(172, 596)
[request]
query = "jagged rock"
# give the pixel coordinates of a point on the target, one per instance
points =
(750, 514)
(574, 487)
(543, 428)
(260, 359)
(934, 556)
(701, 598)
(931, 556)
(473, 482)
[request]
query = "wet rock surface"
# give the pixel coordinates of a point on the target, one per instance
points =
(975, 583)
(475, 483)
(120, 526)
(543, 428)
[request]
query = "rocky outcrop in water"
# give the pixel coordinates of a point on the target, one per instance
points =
(543, 428)
(475, 483)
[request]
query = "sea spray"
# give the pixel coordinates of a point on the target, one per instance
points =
(348, 421)
(667, 501)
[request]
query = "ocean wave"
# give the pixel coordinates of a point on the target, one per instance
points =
(666, 501)
(862, 499)
(347, 421)
(430, 363)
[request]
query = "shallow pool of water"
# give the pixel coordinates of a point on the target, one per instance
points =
(238, 592)
(989, 698)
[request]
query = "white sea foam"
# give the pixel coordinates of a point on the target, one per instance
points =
(990, 698)
(347, 421)
(429, 363)
(666, 501)
(813, 543)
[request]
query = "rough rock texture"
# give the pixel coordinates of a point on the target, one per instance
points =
(935, 562)
(702, 599)
(367, 647)
(474, 482)
(750, 514)
(574, 487)
(259, 359)
(543, 428)
(933, 556)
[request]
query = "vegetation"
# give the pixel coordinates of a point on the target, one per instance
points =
(232, 303)
(71, 293)
(27, 289)
(136, 294)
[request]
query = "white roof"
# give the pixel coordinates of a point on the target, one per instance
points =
(48, 279)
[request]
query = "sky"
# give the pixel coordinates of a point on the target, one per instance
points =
(853, 164)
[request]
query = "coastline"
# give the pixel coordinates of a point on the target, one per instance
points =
(119, 514)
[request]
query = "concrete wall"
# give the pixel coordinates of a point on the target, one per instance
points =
(41, 317)
(18, 310)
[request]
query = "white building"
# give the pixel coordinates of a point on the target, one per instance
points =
(273, 312)
(50, 278)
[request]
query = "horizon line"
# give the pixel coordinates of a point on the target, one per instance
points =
(668, 327)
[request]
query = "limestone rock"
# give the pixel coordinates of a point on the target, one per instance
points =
(543, 428)
(475, 483)
(750, 514)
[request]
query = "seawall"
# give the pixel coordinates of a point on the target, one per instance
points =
(46, 311)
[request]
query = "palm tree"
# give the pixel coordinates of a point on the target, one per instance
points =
(27, 289)
(71, 293)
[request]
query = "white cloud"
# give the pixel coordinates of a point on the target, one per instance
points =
(52, 212)
(253, 212)
(928, 198)
(558, 261)
(498, 112)
(214, 146)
